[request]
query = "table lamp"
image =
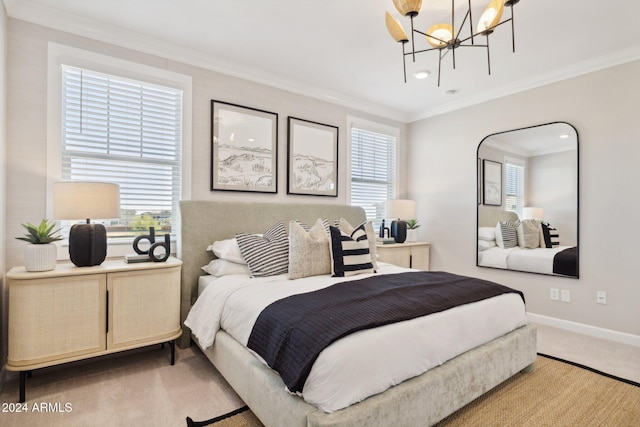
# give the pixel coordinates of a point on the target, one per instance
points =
(82, 199)
(400, 210)
(533, 213)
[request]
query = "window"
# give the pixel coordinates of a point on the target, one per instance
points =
(373, 170)
(514, 186)
(129, 132)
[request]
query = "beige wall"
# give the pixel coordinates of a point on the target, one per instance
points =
(28, 119)
(603, 106)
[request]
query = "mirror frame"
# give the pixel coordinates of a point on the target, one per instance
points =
(480, 191)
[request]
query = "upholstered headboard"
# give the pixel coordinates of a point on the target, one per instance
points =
(489, 217)
(203, 222)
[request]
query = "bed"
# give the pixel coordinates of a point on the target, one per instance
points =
(421, 400)
(558, 260)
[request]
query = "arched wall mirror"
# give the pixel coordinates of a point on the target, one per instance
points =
(528, 200)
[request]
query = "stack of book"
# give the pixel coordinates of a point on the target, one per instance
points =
(131, 258)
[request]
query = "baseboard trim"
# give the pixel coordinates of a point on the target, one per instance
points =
(581, 328)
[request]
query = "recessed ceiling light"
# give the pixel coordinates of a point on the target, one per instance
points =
(422, 74)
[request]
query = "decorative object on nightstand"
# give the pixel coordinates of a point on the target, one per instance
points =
(412, 230)
(81, 199)
(400, 210)
(40, 254)
(150, 254)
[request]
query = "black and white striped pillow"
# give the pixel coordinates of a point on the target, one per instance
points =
(551, 236)
(266, 255)
(509, 233)
(350, 252)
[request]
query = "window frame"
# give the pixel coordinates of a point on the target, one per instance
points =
(59, 55)
(363, 124)
(515, 162)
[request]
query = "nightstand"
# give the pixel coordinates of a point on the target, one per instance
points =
(408, 254)
(73, 313)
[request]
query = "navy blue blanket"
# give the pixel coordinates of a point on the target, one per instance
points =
(566, 262)
(290, 333)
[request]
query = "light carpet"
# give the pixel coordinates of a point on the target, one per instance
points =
(556, 393)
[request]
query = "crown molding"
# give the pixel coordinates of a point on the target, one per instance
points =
(585, 67)
(52, 18)
(57, 20)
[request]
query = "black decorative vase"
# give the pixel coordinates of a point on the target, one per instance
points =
(399, 231)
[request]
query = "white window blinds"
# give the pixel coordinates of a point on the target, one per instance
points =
(373, 171)
(514, 187)
(127, 132)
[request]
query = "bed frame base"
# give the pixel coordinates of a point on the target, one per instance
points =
(423, 400)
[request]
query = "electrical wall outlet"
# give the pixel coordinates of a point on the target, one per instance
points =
(555, 294)
(601, 297)
(565, 295)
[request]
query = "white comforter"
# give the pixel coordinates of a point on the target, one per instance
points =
(538, 260)
(364, 363)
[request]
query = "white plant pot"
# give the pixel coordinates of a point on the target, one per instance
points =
(40, 257)
(412, 235)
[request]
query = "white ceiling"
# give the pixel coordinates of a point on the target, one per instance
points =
(340, 51)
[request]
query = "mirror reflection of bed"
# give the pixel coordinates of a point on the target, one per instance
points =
(531, 225)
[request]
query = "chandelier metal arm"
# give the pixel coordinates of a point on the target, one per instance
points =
(467, 15)
(413, 45)
(513, 28)
(470, 21)
(486, 23)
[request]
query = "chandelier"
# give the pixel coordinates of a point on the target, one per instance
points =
(443, 37)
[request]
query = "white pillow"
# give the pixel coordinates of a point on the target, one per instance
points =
(486, 233)
(483, 245)
(222, 267)
(228, 250)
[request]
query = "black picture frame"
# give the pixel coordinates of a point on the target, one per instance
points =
(312, 153)
(491, 183)
(244, 148)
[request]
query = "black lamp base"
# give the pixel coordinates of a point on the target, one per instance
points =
(399, 231)
(87, 244)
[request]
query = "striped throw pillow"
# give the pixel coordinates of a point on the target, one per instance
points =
(550, 235)
(346, 227)
(509, 233)
(266, 255)
(350, 252)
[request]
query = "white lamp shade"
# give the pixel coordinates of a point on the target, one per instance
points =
(401, 209)
(532, 213)
(82, 199)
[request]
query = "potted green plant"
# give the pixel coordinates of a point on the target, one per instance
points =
(412, 232)
(40, 254)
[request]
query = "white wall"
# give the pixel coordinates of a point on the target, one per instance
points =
(603, 106)
(552, 184)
